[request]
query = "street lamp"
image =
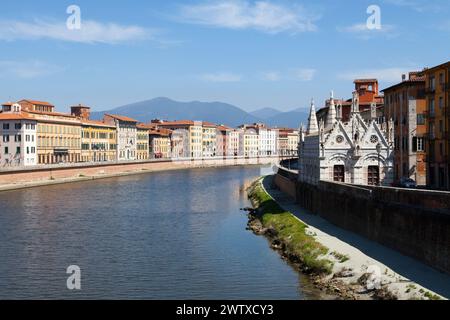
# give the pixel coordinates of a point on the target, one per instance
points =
(379, 146)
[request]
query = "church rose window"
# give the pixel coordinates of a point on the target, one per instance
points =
(339, 139)
(374, 139)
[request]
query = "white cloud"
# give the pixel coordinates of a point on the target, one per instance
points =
(241, 14)
(361, 31)
(27, 69)
(271, 76)
(221, 77)
(90, 32)
(386, 74)
(305, 74)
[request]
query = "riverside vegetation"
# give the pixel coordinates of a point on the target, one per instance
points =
(337, 274)
(288, 233)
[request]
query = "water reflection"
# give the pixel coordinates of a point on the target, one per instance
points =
(174, 235)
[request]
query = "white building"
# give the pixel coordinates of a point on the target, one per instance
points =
(355, 152)
(126, 136)
(268, 138)
(18, 141)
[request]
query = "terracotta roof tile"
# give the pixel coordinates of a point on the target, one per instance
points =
(121, 118)
(42, 103)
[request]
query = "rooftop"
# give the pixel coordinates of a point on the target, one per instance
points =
(121, 118)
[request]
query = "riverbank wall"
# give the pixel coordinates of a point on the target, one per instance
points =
(413, 222)
(18, 178)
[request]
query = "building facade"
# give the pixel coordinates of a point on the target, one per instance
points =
(18, 140)
(437, 92)
(248, 142)
(142, 148)
(209, 140)
(354, 151)
(126, 135)
(58, 134)
(287, 142)
(405, 103)
(98, 139)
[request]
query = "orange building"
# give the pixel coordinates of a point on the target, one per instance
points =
(438, 125)
(405, 104)
(368, 93)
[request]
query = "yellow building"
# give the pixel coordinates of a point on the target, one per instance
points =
(437, 91)
(142, 150)
(58, 134)
(98, 141)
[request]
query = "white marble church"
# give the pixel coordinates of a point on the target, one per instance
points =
(355, 152)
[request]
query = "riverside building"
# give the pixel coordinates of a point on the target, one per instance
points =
(18, 140)
(405, 103)
(126, 136)
(58, 134)
(98, 139)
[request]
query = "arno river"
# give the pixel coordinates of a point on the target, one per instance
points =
(169, 235)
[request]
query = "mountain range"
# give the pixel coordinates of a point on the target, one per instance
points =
(216, 112)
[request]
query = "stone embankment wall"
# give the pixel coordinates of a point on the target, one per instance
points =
(414, 222)
(63, 172)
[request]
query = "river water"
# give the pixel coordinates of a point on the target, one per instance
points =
(167, 235)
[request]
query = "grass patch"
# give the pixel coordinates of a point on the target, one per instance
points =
(290, 231)
(431, 296)
(341, 257)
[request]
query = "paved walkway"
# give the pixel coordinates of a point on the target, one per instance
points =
(364, 251)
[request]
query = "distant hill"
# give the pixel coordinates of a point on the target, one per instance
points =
(290, 119)
(265, 113)
(216, 112)
(167, 109)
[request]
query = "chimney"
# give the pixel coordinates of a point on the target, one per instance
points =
(403, 77)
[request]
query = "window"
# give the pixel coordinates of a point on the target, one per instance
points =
(420, 119)
(5, 138)
(420, 144)
(17, 138)
(432, 133)
(339, 173)
(441, 149)
(432, 83)
(6, 126)
(441, 78)
(373, 175)
(6, 150)
(18, 126)
(441, 103)
(431, 108)
(18, 150)
(441, 126)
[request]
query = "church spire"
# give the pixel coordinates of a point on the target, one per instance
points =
(313, 127)
(331, 117)
(355, 103)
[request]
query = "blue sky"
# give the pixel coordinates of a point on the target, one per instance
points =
(249, 53)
